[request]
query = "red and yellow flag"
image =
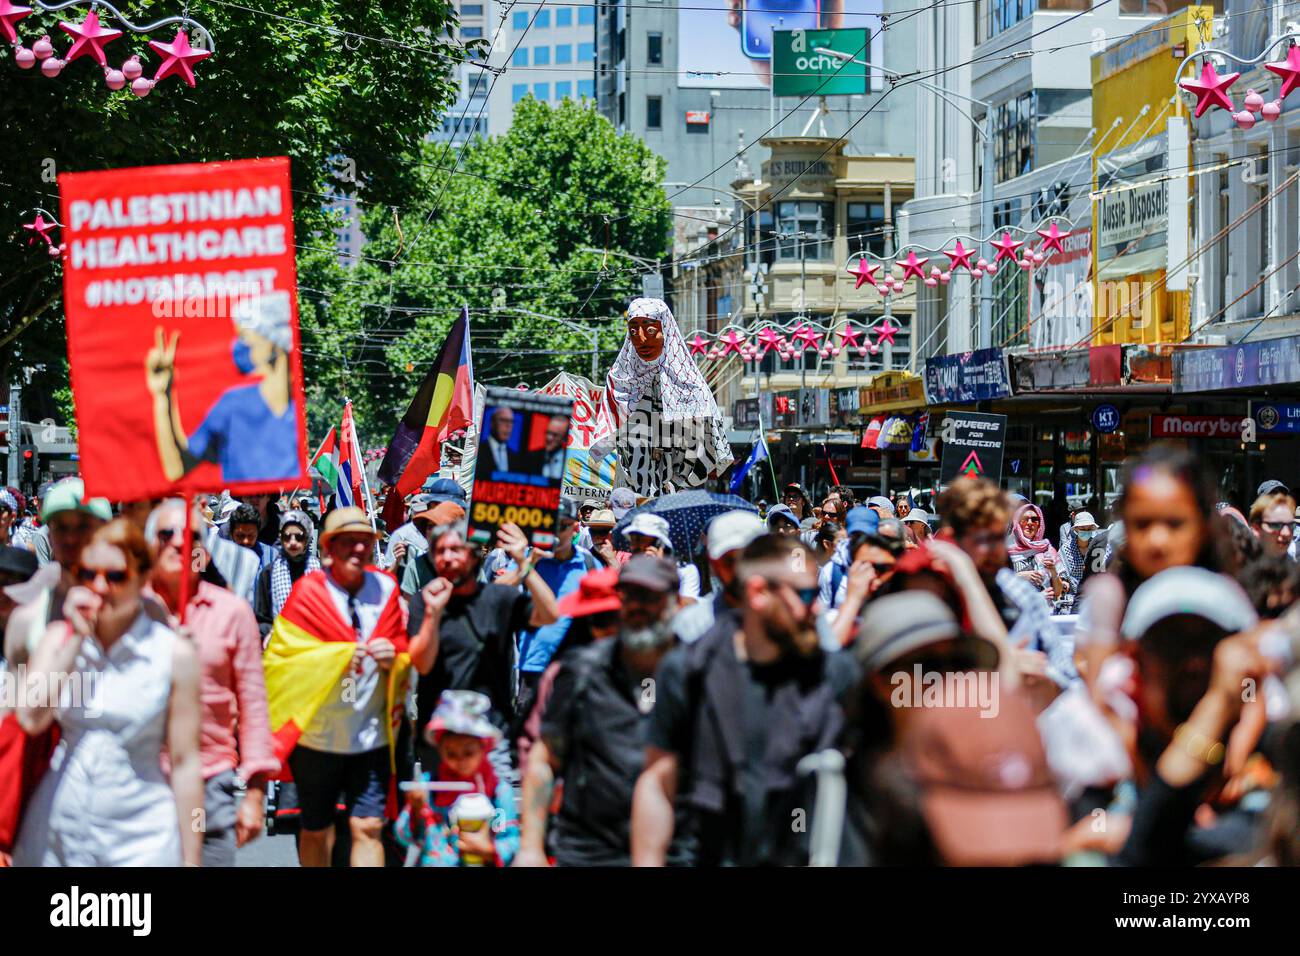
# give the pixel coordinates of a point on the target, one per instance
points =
(309, 652)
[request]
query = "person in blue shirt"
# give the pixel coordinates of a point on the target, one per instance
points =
(251, 431)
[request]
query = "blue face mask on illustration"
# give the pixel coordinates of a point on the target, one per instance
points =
(243, 356)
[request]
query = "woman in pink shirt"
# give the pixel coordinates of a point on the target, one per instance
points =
(236, 733)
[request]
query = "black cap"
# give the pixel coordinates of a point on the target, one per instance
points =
(18, 561)
(568, 508)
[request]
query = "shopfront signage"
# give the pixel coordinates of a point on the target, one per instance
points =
(967, 377)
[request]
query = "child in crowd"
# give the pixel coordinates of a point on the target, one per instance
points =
(471, 820)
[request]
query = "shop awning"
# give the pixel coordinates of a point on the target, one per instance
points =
(891, 392)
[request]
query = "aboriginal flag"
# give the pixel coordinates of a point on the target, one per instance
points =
(444, 404)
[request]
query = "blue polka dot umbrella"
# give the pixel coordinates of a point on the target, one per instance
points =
(688, 514)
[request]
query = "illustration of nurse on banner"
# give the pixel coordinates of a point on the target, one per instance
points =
(251, 430)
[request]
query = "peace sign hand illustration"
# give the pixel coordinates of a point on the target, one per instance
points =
(160, 362)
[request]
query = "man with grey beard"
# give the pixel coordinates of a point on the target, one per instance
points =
(592, 728)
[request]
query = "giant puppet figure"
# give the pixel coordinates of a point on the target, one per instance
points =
(658, 413)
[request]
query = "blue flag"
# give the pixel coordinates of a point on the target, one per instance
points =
(757, 453)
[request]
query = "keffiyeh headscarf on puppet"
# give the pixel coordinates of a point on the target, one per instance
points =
(660, 416)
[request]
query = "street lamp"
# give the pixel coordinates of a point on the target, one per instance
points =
(986, 132)
(585, 330)
(650, 291)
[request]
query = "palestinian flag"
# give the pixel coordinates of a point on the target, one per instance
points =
(326, 465)
(308, 656)
(350, 463)
(443, 404)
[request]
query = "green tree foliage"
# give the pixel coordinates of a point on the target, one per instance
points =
(539, 220)
(341, 109)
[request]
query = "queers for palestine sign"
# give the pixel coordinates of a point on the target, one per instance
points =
(180, 290)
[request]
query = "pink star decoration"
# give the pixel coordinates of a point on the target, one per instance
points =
(1052, 237)
(770, 339)
(1288, 69)
(9, 16)
(42, 227)
(733, 341)
(177, 57)
(1006, 247)
(89, 38)
(959, 255)
(912, 266)
(885, 333)
(849, 336)
(807, 335)
(864, 271)
(1209, 89)
(699, 345)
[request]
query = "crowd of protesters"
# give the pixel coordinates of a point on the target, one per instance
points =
(989, 690)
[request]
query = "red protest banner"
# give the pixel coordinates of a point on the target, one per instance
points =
(180, 285)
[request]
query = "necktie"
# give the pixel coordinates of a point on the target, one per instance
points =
(356, 623)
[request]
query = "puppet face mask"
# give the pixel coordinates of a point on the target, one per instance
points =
(647, 337)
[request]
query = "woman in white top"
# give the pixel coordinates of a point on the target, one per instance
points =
(125, 687)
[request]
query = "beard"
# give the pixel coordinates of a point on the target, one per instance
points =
(650, 638)
(792, 637)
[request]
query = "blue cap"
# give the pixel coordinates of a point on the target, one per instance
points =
(862, 519)
(444, 489)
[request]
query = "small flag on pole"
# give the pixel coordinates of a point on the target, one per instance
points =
(326, 461)
(443, 404)
(757, 453)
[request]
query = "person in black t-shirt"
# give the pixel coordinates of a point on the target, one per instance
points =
(592, 728)
(735, 712)
(476, 623)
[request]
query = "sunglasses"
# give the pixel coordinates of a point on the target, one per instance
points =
(113, 576)
(806, 595)
(1278, 525)
(604, 619)
(165, 535)
(883, 567)
(292, 536)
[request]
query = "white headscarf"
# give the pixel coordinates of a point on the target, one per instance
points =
(682, 389)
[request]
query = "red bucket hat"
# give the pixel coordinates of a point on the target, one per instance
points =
(595, 594)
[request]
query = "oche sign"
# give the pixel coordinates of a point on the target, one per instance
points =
(802, 67)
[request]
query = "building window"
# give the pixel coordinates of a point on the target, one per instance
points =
(519, 21)
(1013, 137)
(1162, 8)
(654, 112)
(564, 53)
(816, 222)
(471, 33)
(543, 19)
(865, 227)
(471, 10)
(564, 90)
(520, 57)
(542, 91)
(654, 49)
(541, 56)
(587, 88)
(586, 52)
(518, 92)
(586, 16)
(564, 17)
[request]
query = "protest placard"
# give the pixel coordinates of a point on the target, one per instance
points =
(180, 291)
(520, 468)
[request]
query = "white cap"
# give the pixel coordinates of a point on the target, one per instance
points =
(1188, 590)
(268, 315)
(919, 515)
(732, 531)
(651, 526)
(1083, 518)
